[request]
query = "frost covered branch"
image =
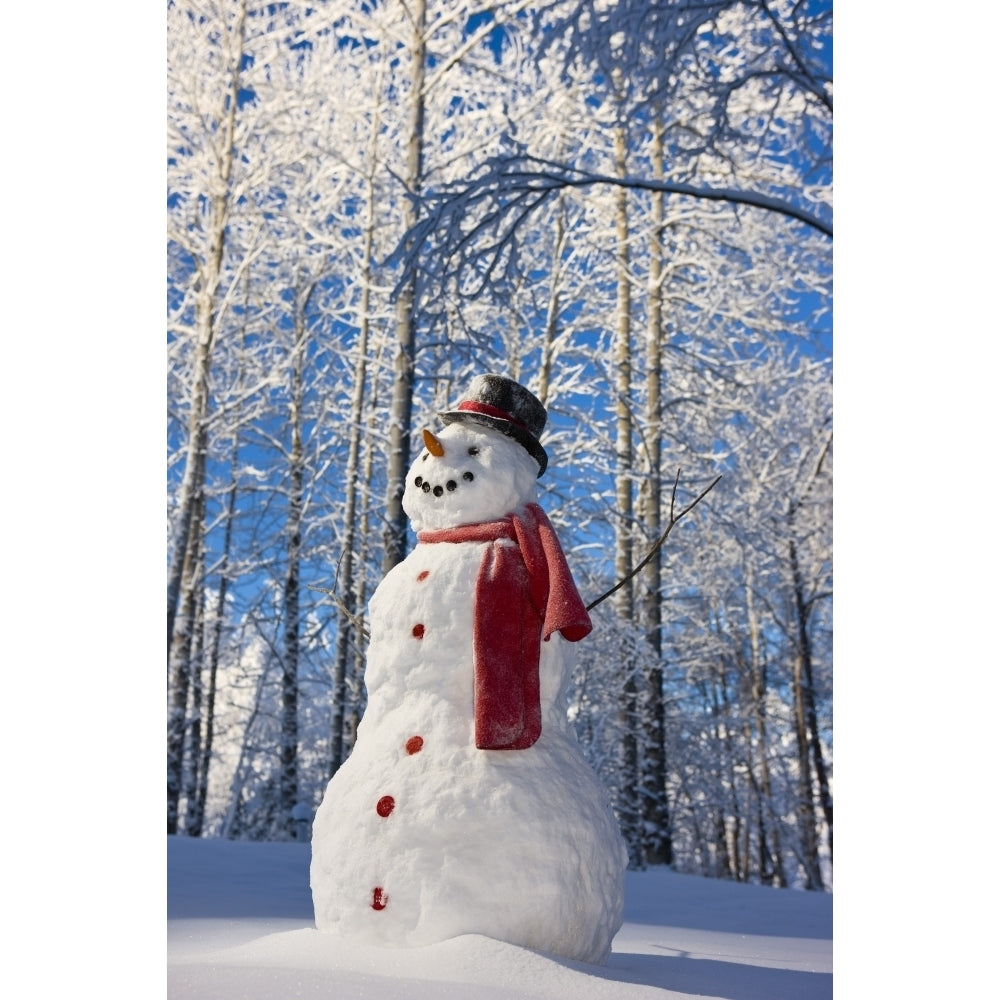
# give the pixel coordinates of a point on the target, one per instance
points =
(470, 225)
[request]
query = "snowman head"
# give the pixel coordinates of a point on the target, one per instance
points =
(468, 473)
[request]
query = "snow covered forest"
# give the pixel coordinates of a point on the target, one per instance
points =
(627, 207)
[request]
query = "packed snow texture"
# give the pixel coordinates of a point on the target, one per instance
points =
(240, 925)
(422, 837)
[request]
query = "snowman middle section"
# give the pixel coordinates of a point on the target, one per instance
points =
(421, 649)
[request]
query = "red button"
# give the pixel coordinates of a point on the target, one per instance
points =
(414, 744)
(379, 898)
(423, 576)
(385, 805)
(418, 631)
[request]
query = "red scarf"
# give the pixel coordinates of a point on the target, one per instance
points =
(523, 595)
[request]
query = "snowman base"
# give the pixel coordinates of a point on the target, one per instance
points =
(501, 853)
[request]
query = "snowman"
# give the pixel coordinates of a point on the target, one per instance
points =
(466, 806)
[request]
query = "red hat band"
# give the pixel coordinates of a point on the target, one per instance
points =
(490, 411)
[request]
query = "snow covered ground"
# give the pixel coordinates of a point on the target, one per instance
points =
(240, 925)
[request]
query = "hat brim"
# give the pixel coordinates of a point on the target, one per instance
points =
(523, 437)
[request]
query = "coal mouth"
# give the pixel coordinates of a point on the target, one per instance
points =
(439, 490)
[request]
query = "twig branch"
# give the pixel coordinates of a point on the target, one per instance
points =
(355, 620)
(659, 542)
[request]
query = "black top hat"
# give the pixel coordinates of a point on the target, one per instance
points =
(497, 401)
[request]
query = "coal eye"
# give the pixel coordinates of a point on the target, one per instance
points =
(473, 450)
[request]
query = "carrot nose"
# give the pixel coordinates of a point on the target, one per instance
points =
(432, 444)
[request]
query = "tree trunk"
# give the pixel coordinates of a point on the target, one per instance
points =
(805, 702)
(213, 654)
(346, 585)
(771, 864)
(806, 724)
(288, 785)
(724, 860)
(623, 392)
(401, 414)
(651, 494)
(736, 824)
(192, 818)
(656, 816)
(806, 807)
(355, 687)
(806, 804)
(183, 668)
(346, 582)
(554, 307)
(631, 781)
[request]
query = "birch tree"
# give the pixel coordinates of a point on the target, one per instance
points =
(656, 817)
